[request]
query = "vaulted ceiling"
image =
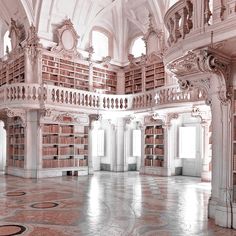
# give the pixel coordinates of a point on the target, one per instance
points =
(124, 19)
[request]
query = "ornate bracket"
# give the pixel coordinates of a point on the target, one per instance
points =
(94, 117)
(17, 112)
(205, 60)
(169, 118)
(166, 118)
(205, 116)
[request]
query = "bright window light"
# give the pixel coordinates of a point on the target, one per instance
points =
(187, 142)
(138, 47)
(100, 44)
(6, 42)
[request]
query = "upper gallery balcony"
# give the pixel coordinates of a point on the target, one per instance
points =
(193, 24)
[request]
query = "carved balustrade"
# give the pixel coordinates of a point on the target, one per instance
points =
(194, 19)
(36, 96)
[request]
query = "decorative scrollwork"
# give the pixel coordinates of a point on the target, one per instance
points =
(17, 113)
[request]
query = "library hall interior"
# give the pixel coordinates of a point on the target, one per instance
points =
(118, 117)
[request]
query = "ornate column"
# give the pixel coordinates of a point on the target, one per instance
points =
(92, 118)
(169, 142)
(142, 165)
(120, 128)
(206, 158)
(210, 71)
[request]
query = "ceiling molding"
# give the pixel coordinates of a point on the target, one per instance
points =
(29, 10)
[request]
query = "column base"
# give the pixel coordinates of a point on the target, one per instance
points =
(206, 176)
(222, 214)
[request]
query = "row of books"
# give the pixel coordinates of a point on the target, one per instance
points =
(154, 151)
(81, 140)
(17, 140)
(16, 163)
(16, 130)
(155, 162)
(154, 130)
(57, 163)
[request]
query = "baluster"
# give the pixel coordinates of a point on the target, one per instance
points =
(177, 30)
(116, 103)
(112, 103)
(70, 98)
(104, 102)
(121, 103)
(82, 100)
(66, 97)
(126, 103)
(90, 100)
(108, 103)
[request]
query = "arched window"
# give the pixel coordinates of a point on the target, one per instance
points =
(6, 43)
(138, 47)
(100, 43)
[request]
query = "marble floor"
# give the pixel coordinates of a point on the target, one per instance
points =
(106, 204)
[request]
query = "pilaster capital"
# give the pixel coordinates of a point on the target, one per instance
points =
(205, 116)
(94, 117)
(166, 118)
(17, 112)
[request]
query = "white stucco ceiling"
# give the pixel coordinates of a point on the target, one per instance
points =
(124, 19)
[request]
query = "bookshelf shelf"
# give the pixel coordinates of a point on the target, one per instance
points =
(154, 146)
(61, 145)
(16, 143)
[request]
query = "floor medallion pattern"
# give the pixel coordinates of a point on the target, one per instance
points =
(106, 204)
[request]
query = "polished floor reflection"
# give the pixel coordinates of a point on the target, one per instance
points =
(106, 204)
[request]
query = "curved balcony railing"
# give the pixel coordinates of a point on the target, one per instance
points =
(191, 24)
(38, 96)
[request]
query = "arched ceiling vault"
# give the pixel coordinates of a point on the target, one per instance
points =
(124, 19)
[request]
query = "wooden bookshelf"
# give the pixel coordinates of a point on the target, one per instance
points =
(13, 71)
(16, 143)
(65, 73)
(154, 76)
(133, 81)
(104, 80)
(154, 146)
(64, 145)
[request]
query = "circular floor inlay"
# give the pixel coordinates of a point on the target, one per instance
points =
(15, 194)
(44, 205)
(10, 230)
